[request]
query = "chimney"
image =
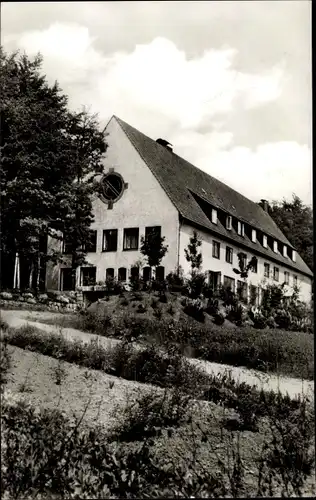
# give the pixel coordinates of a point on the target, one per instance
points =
(265, 205)
(165, 143)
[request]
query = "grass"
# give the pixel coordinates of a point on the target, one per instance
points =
(273, 350)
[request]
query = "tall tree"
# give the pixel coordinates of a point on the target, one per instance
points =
(49, 157)
(296, 221)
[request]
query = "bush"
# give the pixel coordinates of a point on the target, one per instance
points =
(196, 285)
(194, 308)
(212, 307)
(219, 319)
(283, 318)
(5, 361)
(151, 414)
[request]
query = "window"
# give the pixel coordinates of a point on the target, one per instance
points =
(66, 245)
(122, 274)
(229, 283)
(276, 273)
(275, 246)
(131, 237)
(284, 251)
(134, 272)
(229, 222)
(88, 276)
(160, 273)
(147, 273)
(152, 230)
(254, 268)
(91, 243)
(266, 270)
(66, 279)
(214, 216)
(109, 240)
(240, 228)
(216, 249)
(295, 280)
(265, 241)
(253, 235)
(243, 258)
(109, 273)
(293, 255)
(112, 186)
(286, 277)
(229, 255)
(242, 290)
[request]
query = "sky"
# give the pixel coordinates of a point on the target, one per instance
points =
(227, 83)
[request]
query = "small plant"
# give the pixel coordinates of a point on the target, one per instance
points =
(194, 308)
(25, 387)
(219, 319)
(154, 303)
(212, 307)
(158, 313)
(124, 302)
(170, 310)
(141, 308)
(59, 373)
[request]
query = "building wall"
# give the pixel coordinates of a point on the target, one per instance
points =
(144, 203)
(220, 265)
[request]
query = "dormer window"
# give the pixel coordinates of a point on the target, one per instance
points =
(265, 241)
(240, 228)
(284, 251)
(294, 255)
(253, 235)
(229, 222)
(214, 216)
(275, 246)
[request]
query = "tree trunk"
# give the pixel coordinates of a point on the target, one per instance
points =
(16, 276)
(31, 276)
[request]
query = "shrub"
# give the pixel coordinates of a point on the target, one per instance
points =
(175, 279)
(151, 414)
(5, 361)
(283, 318)
(259, 321)
(219, 319)
(212, 307)
(196, 284)
(194, 308)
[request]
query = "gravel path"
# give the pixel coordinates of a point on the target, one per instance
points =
(292, 386)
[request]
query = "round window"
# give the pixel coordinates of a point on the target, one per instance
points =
(112, 186)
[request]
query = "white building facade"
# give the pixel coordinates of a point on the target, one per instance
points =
(146, 186)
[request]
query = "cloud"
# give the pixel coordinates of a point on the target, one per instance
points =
(161, 91)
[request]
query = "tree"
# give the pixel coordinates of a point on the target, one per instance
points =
(192, 254)
(49, 158)
(244, 268)
(153, 248)
(296, 221)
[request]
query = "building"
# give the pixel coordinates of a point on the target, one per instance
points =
(146, 185)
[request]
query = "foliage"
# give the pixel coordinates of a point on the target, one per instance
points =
(296, 221)
(195, 309)
(5, 361)
(192, 254)
(219, 318)
(151, 414)
(244, 268)
(196, 284)
(153, 248)
(175, 279)
(49, 157)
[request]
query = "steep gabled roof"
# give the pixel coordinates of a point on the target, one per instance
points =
(181, 181)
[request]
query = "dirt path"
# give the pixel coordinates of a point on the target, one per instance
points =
(292, 386)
